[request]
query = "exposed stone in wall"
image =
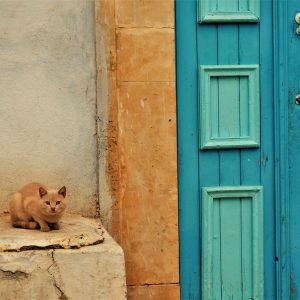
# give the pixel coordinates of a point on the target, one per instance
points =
(154, 292)
(144, 185)
(145, 13)
(149, 205)
(145, 55)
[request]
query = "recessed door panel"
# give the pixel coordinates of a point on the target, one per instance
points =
(222, 11)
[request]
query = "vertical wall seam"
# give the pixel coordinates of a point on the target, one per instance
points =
(97, 115)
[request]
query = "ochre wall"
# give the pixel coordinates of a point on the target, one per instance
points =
(137, 39)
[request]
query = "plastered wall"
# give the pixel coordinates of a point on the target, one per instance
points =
(50, 104)
(138, 197)
(48, 98)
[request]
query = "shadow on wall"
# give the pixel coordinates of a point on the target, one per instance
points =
(48, 99)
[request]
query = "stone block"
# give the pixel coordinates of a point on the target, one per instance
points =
(147, 141)
(154, 292)
(43, 270)
(145, 55)
(140, 13)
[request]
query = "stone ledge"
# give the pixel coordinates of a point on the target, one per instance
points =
(85, 272)
(75, 232)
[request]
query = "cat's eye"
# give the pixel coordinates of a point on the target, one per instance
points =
(48, 202)
(57, 202)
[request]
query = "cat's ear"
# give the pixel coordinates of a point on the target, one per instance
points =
(42, 192)
(63, 191)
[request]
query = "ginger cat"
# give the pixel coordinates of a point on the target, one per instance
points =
(37, 206)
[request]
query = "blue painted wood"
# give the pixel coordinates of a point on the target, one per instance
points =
(207, 54)
(230, 106)
(282, 198)
(267, 155)
(223, 11)
(208, 160)
(229, 161)
(187, 120)
(232, 238)
(222, 44)
(291, 88)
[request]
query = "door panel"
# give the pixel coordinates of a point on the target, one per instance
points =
(232, 243)
(229, 105)
(200, 45)
(239, 44)
(228, 11)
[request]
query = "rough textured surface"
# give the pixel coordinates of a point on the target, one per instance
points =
(149, 13)
(91, 272)
(141, 136)
(48, 98)
(154, 292)
(75, 232)
(107, 111)
(145, 54)
(147, 142)
(149, 204)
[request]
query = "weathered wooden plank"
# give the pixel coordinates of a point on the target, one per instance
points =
(244, 129)
(214, 107)
(187, 120)
(229, 160)
(244, 5)
(267, 155)
(246, 245)
(216, 251)
(230, 224)
(232, 238)
(229, 107)
(208, 160)
(228, 5)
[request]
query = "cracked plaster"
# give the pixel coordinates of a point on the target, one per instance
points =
(86, 272)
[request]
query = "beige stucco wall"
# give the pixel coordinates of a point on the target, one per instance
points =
(48, 98)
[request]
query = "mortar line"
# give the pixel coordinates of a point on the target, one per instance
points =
(156, 284)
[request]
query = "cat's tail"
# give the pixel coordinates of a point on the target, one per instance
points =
(15, 205)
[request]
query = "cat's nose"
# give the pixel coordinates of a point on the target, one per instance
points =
(52, 208)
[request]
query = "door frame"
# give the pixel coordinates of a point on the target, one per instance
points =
(280, 43)
(187, 123)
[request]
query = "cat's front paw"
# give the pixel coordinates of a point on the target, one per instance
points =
(55, 226)
(45, 228)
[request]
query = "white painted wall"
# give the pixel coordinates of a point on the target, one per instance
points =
(48, 98)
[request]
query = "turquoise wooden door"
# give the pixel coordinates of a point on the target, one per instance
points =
(291, 88)
(238, 149)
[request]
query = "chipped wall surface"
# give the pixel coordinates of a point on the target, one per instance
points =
(92, 272)
(107, 112)
(48, 127)
(48, 98)
(142, 187)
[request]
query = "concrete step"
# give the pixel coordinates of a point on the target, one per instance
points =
(80, 261)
